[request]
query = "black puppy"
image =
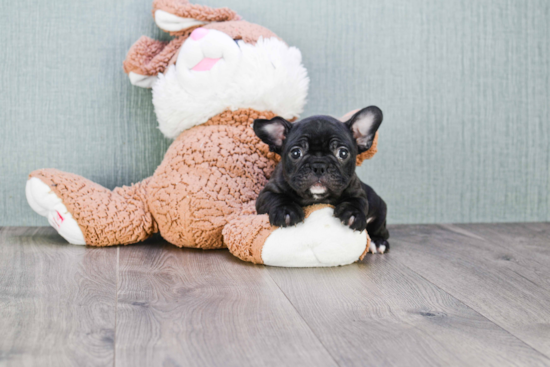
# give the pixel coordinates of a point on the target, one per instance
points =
(318, 166)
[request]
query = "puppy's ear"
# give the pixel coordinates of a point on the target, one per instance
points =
(272, 132)
(364, 124)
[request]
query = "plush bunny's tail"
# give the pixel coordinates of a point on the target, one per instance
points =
(104, 217)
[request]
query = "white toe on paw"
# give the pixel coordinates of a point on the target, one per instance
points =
(46, 203)
(380, 249)
(372, 247)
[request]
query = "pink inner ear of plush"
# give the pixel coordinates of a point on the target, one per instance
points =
(205, 64)
(199, 33)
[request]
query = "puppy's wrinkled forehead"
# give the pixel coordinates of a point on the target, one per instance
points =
(319, 132)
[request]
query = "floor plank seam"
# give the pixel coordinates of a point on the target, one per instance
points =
(302, 318)
(116, 303)
(437, 304)
(436, 341)
(476, 311)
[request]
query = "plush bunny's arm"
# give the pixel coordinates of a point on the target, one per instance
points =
(320, 240)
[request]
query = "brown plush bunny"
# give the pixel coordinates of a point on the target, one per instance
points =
(209, 83)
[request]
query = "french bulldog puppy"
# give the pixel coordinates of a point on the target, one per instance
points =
(318, 167)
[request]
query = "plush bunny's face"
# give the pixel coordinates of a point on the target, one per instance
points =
(217, 62)
(229, 65)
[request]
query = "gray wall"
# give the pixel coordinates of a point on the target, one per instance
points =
(464, 86)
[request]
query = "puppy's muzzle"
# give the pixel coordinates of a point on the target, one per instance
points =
(319, 168)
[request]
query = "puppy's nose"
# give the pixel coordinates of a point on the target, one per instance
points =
(319, 168)
(199, 33)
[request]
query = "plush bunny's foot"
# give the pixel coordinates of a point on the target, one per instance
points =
(84, 212)
(319, 241)
(46, 203)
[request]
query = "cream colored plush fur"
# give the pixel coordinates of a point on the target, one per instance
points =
(184, 98)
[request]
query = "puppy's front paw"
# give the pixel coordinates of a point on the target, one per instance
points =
(351, 216)
(286, 215)
(379, 245)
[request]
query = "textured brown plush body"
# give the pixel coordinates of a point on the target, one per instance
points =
(210, 175)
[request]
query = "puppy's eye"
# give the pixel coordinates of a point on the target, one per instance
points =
(295, 153)
(343, 153)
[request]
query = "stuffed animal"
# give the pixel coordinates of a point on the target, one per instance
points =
(209, 83)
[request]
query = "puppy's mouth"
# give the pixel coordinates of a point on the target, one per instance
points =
(318, 190)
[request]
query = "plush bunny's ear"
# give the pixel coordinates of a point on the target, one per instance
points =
(364, 124)
(272, 132)
(177, 16)
(172, 23)
(147, 58)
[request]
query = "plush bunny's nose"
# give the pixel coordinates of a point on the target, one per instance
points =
(199, 33)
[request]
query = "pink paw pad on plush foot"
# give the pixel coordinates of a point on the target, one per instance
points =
(46, 203)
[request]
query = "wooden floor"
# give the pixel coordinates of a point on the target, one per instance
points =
(464, 295)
